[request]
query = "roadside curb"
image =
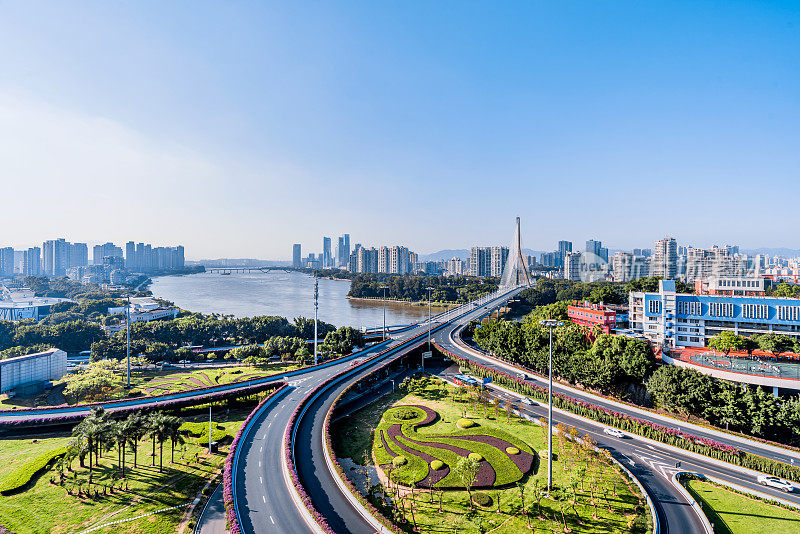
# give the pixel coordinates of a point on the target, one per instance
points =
(709, 528)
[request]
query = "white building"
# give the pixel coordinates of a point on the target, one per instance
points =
(26, 375)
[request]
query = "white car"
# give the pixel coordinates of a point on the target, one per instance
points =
(775, 482)
(613, 432)
(529, 402)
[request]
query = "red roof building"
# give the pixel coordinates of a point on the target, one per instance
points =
(588, 315)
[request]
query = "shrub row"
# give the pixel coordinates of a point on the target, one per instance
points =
(23, 474)
(227, 474)
(648, 429)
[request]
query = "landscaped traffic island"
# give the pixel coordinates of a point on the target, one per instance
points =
(435, 458)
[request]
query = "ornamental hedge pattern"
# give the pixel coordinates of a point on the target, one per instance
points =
(648, 429)
(398, 437)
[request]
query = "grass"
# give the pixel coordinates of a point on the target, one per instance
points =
(734, 513)
(45, 507)
(613, 497)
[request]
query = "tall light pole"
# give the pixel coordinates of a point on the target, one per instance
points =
(550, 323)
(128, 337)
(316, 309)
(384, 312)
(429, 289)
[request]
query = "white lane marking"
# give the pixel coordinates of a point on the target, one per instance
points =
(259, 463)
(264, 499)
(261, 449)
(273, 521)
(261, 480)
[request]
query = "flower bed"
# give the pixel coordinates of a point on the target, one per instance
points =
(664, 434)
(227, 475)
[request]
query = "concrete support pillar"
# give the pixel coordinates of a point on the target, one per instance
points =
(775, 391)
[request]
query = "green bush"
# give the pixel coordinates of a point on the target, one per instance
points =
(437, 464)
(399, 461)
(466, 423)
(24, 473)
(512, 450)
(482, 499)
(475, 456)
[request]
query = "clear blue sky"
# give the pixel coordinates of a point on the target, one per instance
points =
(238, 128)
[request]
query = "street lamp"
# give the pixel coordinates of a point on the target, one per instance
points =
(128, 337)
(550, 323)
(316, 308)
(428, 289)
(384, 311)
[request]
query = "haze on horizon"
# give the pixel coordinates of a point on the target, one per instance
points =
(237, 129)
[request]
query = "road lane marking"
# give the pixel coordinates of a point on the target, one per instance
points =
(264, 499)
(273, 521)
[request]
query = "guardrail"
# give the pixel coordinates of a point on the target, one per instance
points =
(229, 474)
(189, 396)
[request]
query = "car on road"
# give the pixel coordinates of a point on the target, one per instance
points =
(184, 361)
(614, 432)
(522, 376)
(775, 482)
(529, 402)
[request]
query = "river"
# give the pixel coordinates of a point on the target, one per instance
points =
(288, 294)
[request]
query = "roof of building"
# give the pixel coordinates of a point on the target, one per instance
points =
(16, 359)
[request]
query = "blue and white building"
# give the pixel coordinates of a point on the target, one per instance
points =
(675, 319)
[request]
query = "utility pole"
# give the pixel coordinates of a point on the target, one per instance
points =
(316, 309)
(209, 428)
(128, 337)
(550, 323)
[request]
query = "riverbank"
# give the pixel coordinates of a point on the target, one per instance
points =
(440, 306)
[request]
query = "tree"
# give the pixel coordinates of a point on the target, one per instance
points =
(172, 425)
(727, 342)
(119, 431)
(467, 469)
(137, 428)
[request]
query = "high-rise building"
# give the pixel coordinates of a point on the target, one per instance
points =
(399, 260)
(78, 255)
(366, 260)
(665, 259)
(563, 248)
(627, 266)
(130, 257)
(383, 259)
(343, 251)
(32, 262)
(326, 253)
(297, 256)
(106, 249)
(480, 260)
(572, 266)
(7, 261)
(497, 260)
(56, 253)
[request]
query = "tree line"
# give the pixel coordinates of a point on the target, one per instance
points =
(456, 289)
(549, 291)
(618, 364)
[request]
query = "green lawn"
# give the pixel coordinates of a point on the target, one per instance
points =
(733, 513)
(605, 491)
(45, 507)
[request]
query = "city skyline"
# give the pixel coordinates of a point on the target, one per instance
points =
(224, 132)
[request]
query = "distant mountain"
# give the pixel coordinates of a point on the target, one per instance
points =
(444, 255)
(788, 252)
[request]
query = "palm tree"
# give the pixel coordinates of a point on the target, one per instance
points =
(153, 424)
(160, 433)
(119, 432)
(173, 427)
(137, 428)
(91, 430)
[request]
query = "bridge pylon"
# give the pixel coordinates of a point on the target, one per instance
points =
(516, 271)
